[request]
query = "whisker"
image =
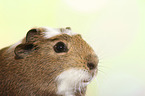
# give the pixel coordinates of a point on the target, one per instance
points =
(101, 71)
(104, 67)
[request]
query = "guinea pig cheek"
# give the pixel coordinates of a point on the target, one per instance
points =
(71, 81)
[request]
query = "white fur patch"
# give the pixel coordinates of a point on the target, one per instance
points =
(72, 80)
(51, 32)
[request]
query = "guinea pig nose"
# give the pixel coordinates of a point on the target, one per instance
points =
(91, 66)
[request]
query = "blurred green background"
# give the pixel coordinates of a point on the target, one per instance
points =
(114, 28)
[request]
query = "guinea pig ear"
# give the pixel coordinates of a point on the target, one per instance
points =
(32, 35)
(24, 50)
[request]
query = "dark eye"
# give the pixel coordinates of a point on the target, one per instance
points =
(60, 47)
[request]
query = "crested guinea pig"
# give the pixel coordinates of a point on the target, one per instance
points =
(47, 62)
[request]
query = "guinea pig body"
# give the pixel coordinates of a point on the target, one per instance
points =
(47, 62)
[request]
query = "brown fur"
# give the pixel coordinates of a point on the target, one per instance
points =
(34, 73)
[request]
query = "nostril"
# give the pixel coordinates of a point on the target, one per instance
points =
(91, 66)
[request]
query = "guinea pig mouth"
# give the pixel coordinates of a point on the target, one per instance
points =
(86, 81)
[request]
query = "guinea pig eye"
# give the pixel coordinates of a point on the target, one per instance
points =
(60, 47)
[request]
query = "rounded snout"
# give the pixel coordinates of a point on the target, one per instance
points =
(92, 62)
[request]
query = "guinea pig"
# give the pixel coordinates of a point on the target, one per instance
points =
(47, 62)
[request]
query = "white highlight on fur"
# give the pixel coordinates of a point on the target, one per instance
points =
(51, 32)
(72, 80)
(14, 45)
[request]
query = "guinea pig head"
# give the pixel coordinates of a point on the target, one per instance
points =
(58, 59)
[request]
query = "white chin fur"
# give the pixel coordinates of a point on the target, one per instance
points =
(72, 80)
(51, 32)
